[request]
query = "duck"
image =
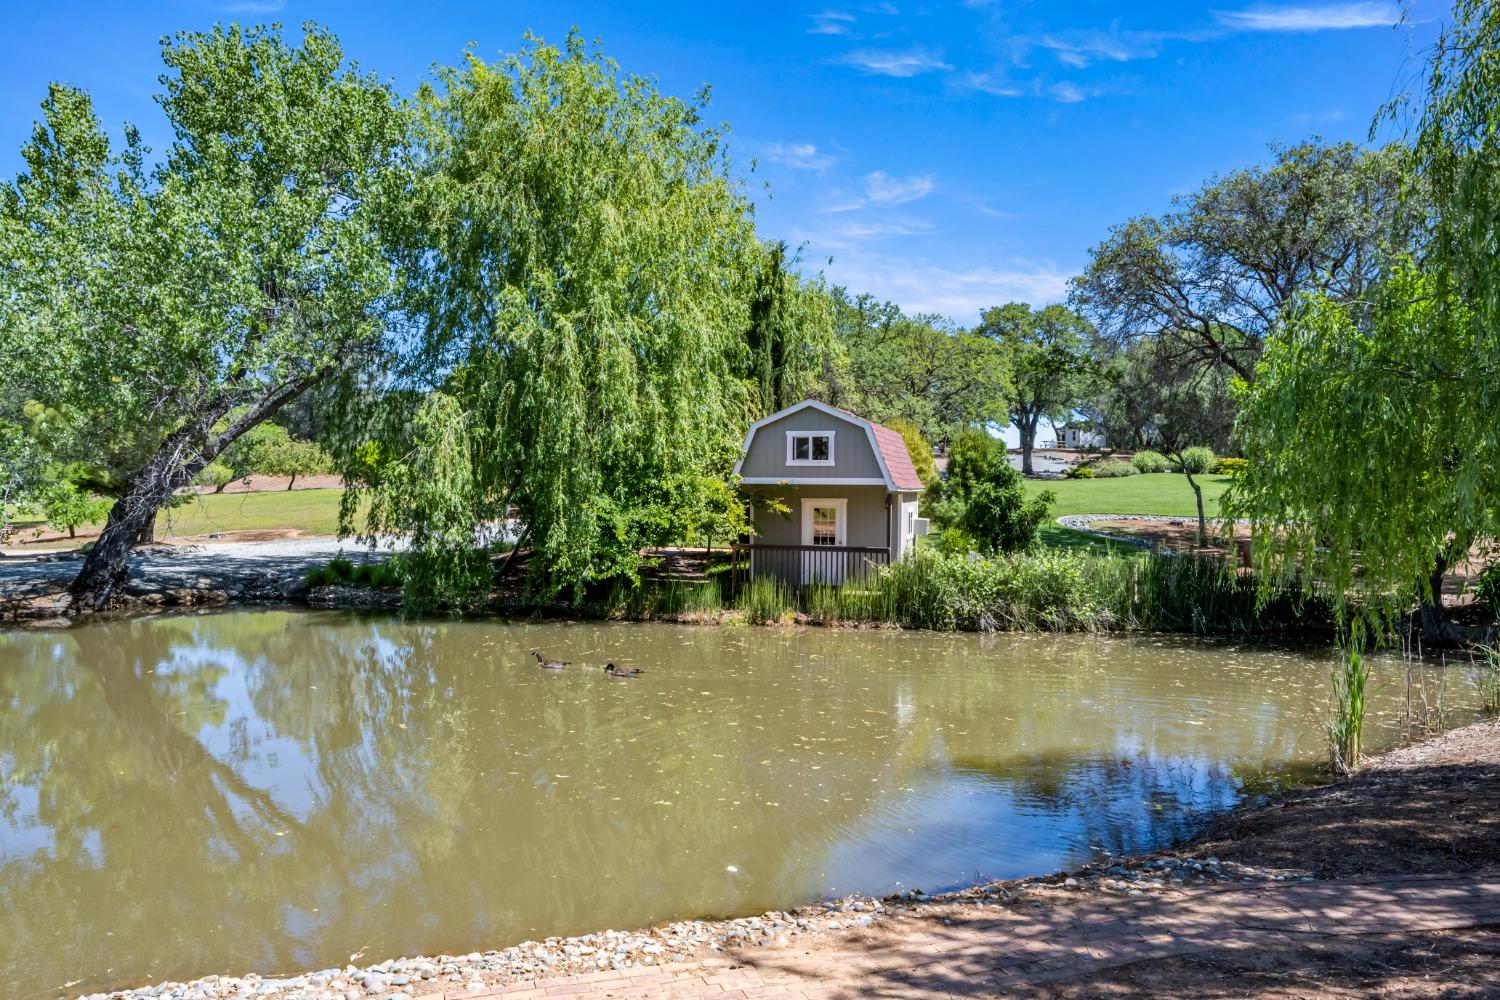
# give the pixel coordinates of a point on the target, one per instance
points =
(547, 664)
(614, 671)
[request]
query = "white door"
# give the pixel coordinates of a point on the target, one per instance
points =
(824, 525)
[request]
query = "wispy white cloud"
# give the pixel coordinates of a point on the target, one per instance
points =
(885, 62)
(799, 156)
(920, 285)
(1067, 92)
(1083, 49)
(253, 6)
(993, 83)
(883, 189)
(1319, 17)
(831, 22)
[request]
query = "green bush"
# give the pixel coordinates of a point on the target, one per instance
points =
(1149, 461)
(68, 508)
(953, 542)
(1488, 588)
(1231, 466)
(1080, 472)
(341, 572)
(1198, 460)
(1000, 517)
(1115, 469)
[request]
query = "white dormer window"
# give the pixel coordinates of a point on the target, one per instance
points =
(809, 447)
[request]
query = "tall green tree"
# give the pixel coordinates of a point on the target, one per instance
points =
(234, 275)
(584, 264)
(920, 369)
(1373, 430)
(1220, 269)
(1051, 365)
(790, 338)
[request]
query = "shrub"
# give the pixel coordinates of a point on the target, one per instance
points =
(1488, 588)
(1198, 460)
(1114, 469)
(1000, 517)
(1080, 472)
(953, 542)
(1148, 461)
(1231, 466)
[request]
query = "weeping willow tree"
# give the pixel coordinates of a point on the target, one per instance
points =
(584, 267)
(1373, 428)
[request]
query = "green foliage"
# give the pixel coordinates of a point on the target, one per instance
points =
(954, 542)
(345, 573)
(1115, 469)
(215, 474)
(1051, 362)
(1488, 588)
(766, 599)
(269, 450)
(1148, 461)
(1080, 472)
(1366, 459)
(1346, 726)
(915, 368)
(972, 456)
(790, 338)
(579, 249)
(1000, 516)
(1197, 460)
(1230, 466)
(1218, 272)
(918, 447)
(145, 302)
(68, 509)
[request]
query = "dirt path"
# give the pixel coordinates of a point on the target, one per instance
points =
(1066, 950)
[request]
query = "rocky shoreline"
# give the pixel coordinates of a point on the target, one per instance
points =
(424, 975)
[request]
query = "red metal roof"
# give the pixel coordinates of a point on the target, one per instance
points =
(897, 459)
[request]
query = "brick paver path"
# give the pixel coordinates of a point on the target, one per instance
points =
(973, 951)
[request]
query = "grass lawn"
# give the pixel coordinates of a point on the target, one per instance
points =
(314, 512)
(1165, 493)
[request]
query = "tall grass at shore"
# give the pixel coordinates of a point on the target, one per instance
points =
(1346, 726)
(1046, 591)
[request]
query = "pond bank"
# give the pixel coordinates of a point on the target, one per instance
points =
(1384, 882)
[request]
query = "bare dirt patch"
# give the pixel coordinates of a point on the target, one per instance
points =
(1179, 533)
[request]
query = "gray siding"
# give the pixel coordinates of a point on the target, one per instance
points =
(867, 515)
(853, 457)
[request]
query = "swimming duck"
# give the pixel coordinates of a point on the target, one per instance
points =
(547, 664)
(614, 671)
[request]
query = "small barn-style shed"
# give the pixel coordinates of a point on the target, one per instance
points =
(851, 488)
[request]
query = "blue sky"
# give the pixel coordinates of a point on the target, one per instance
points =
(946, 155)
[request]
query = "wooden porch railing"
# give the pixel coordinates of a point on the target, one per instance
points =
(804, 565)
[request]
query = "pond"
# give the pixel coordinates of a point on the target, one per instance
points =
(276, 791)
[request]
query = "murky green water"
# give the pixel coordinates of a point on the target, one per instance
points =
(277, 791)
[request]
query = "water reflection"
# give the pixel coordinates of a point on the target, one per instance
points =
(276, 791)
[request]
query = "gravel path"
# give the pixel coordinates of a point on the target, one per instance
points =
(216, 566)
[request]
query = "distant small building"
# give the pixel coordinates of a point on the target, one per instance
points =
(851, 488)
(1079, 438)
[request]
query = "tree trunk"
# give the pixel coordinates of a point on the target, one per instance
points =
(132, 520)
(1027, 428)
(290, 481)
(1202, 521)
(1434, 620)
(220, 487)
(72, 531)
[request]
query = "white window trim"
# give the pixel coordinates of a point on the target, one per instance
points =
(841, 532)
(792, 436)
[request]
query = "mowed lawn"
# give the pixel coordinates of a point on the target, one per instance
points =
(313, 512)
(310, 512)
(1165, 493)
